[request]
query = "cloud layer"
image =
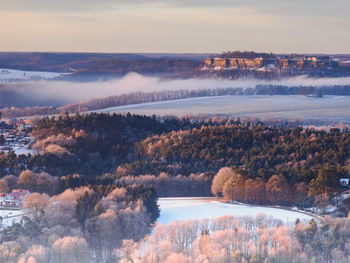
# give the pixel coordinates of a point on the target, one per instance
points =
(266, 6)
(312, 26)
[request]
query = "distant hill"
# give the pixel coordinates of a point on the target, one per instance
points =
(75, 62)
(59, 62)
(231, 64)
(148, 67)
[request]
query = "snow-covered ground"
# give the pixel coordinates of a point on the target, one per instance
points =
(11, 216)
(335, 108)
(12, 74)
(172, 209)
(18, 149)
(22, 149)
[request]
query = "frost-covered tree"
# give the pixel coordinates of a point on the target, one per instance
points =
(36, 201)
(234, 188)
(254, 191)
(71, 249)
(277, 189)
(220, 179)
(38, 182)
(300, 193)
(35, 254)
(11, 181)
(9, 251)
(4, 188)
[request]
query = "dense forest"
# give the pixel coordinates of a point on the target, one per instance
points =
(123, 145)
(96, 178)
(145, 66)
(68, 62)
(247, 54)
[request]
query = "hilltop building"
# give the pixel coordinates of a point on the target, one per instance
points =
(268, 64)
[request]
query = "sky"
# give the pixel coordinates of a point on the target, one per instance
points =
(193, 26)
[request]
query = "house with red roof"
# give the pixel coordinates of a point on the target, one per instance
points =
(13, 199)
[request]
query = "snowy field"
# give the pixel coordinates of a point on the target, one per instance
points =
(12, 74)
(172, 209)
(18, 149)
(11, 216)
(335, 108)
(22, 150)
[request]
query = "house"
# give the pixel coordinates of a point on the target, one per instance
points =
(11, 122)
(13, 199)
(344, 182)
(20, 125)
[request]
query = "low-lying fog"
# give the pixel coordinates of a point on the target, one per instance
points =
(61, 92)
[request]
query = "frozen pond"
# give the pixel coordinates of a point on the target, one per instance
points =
(335, 108)
(172, 209)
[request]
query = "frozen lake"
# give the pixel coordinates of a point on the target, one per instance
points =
(335, 108)
(172, 209)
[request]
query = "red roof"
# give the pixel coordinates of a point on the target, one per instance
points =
(21, 191)
(15, 196)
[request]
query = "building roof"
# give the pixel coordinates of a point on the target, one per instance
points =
(15, 195)
(22, 191)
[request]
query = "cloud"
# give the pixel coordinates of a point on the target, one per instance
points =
(296, 7)
(280, 26)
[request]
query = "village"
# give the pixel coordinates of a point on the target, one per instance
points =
(283, 63)
(14, 136)
(11, 207)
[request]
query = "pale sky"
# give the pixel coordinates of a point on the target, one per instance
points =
(305, 26)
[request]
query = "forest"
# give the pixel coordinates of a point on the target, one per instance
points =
(247, 54)
(121, 145)
(95, 180)
(77, 223)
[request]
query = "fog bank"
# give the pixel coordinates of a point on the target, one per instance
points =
(68, 92)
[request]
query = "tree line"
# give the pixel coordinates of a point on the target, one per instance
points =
(243, 239)
(233, 185)
(144, 97)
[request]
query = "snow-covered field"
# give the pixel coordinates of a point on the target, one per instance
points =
(172, 209)
(19, 149)
(11, 216)
(12, 74)
(335, 108)
(22, 150)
